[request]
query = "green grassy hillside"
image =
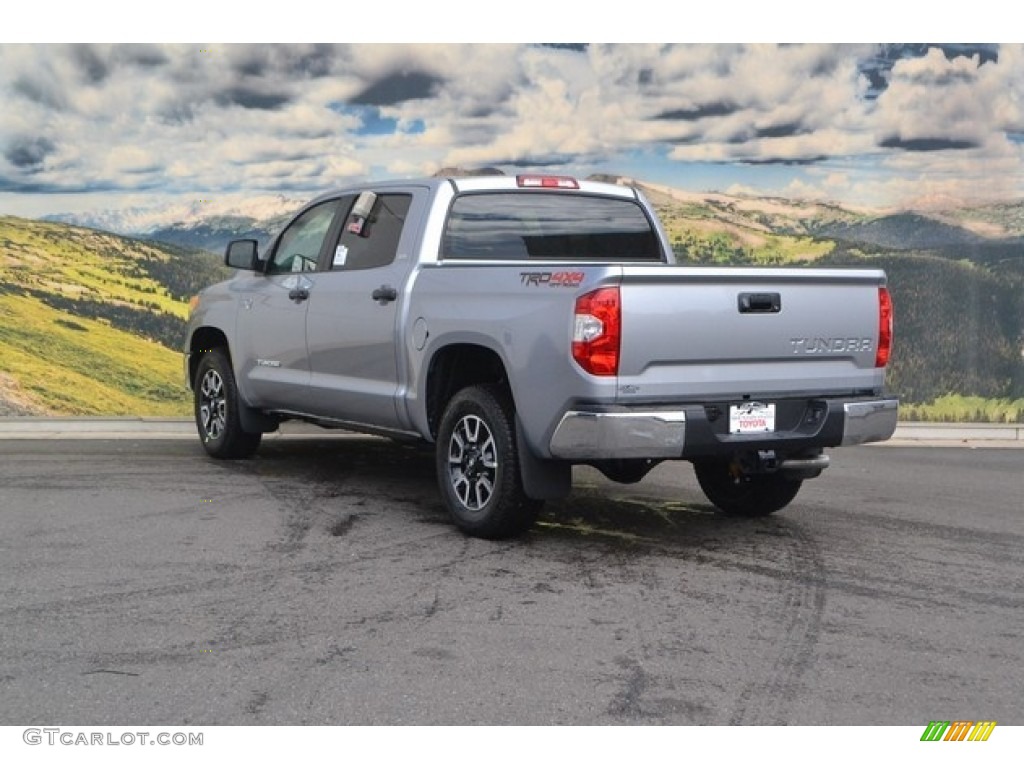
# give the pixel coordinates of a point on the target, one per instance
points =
(958, 326)
(92, 323)
(718, 230)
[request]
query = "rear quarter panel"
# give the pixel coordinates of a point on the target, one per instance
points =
(528, 325)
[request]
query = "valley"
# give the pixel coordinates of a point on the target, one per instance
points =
(91, 321)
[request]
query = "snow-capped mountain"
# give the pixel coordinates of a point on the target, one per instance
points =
(197, 224)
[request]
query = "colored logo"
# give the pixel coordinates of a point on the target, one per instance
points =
(958, 730)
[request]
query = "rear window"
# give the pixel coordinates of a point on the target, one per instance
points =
(539, 225)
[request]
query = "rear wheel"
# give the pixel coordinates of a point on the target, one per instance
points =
(216, 409)
(478, 465)
(743, 495)
(626, 471)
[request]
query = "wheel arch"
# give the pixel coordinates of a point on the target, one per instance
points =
(456, 366)
(204, 339)
(207, 338)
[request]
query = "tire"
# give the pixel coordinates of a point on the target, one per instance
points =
(216, 410)
(478, 465)
(743, 495)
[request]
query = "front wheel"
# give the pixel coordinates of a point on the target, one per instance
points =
(216, 410)
(743, 495)
(478, 465)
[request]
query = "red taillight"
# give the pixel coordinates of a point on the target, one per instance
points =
(547, 182)
(884, 328)
(597, 328)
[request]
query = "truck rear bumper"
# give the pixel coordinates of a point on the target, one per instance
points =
(693, 431)
(620, 435)
(869, 421)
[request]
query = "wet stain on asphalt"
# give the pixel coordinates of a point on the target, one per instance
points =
(344, 525)
(332, 588)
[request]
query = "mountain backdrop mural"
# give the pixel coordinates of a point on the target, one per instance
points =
(126, 169)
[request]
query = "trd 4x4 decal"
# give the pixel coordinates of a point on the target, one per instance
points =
(552, 279)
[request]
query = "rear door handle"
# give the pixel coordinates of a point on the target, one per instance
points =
(298, 294)
(384, 294)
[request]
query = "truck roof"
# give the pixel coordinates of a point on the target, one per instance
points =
(485, 184)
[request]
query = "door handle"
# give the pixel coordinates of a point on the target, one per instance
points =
(298, 294)
(384, 294)
(759, 303)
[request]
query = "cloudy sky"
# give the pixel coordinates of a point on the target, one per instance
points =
(88, 127)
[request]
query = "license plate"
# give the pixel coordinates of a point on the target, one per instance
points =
(751, 418)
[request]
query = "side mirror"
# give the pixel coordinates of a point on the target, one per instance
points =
(242, 254)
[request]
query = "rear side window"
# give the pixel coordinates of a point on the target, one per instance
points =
(539, 225)
(376, 242)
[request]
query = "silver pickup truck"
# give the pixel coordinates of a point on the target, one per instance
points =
(526, 324)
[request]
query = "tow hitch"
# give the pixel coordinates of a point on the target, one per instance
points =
(803, 467)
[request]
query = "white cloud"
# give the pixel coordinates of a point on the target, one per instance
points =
(934, 99)
(181, 119)
(128, 159)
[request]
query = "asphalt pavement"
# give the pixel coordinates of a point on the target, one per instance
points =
(321, 583)
(157, 428)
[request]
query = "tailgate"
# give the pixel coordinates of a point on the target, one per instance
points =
(700, 333)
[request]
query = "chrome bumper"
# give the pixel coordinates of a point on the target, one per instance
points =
(869, 422)
(629, 435)
(686, 432)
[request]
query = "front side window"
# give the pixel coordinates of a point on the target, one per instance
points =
(548, 225)
(298, 249)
